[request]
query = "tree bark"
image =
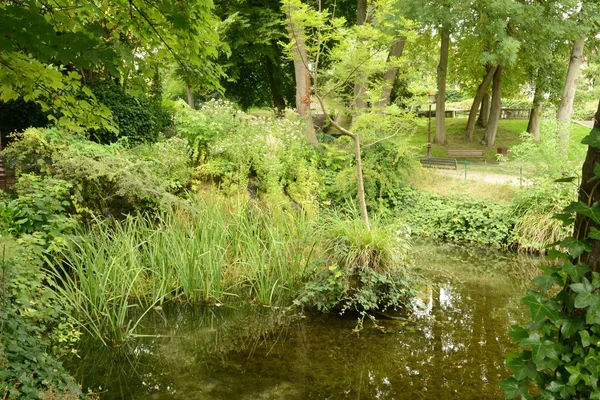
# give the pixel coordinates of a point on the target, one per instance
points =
(589, 193)
(568, 95)
(565, 110)
(190, 96)
(360, 85)
(481, 91)
(496, 109)
(278, 100)
(535, 116)
(442, 72)
(390, 75)
(302, 75)
(484, 113)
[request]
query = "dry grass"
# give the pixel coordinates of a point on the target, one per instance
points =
(431, 182)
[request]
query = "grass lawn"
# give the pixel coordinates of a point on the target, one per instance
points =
(509, 134)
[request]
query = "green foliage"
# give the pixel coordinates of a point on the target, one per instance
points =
(39, 209)
(140, 120)
(32, 323)
(459, 219)
(38, 42)
(208, 251)
(387, 156)
(365, 270)
(105, 180)
(237, 150)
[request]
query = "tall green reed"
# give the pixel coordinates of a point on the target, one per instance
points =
(212, 249)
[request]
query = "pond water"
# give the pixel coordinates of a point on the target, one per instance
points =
(452, 348)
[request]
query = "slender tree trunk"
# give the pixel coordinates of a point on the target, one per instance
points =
(484, 112)
(390, 75)
(496, 109)
(359, 175)
(190, 96)
(481, 91)
(360, 85)
(300, 59)
(589, 193)
(442, 71)
(360, 183)
(278, 101)
(535, 116)
(565, 109)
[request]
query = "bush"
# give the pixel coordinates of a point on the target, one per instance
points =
(459, 219)
(365, 270)
(105, 180)
(238, 151)
(32, 323)
(138, 119)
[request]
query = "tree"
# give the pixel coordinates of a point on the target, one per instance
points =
(47, 49)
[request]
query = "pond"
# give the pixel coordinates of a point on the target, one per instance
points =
(453, 346)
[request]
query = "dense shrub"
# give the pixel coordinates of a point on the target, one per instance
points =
(33, 326)
(238, 151)
(459, 219)
(139, 119)
(109, 179)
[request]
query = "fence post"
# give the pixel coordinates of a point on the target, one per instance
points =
(520, 176)
(465, 170)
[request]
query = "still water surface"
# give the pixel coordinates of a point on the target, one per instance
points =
(452, 348)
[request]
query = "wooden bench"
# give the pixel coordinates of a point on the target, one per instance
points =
(445, 163)
(465, 153)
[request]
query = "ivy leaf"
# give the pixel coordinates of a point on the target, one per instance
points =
(554, 254)
(567, 179)
(580, 207)
(540, 308)
(513, 388)
(594, 233)
(518, 333)
(567, 219)
(522, 368)
(540, 350)
(596, 280)
(585, 338)
(585, 297)
(571, 326)
(576, 272)
(544, 282)
(575, 247)
(593, 139)
(574, 374)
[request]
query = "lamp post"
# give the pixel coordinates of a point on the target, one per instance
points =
(430, 100)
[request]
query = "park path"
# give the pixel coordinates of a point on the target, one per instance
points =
(488, 177)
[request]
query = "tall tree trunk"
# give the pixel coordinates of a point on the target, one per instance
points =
(484, 112)
(481, 91)
(568, 95)
(535, 116)
(360, 85)
(589, 193)
(442, 72)
(390, 75)
(496, 109)
(190, 96)
(278, 101)
(302, 75)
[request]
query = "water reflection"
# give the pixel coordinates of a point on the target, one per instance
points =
(451, 348)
